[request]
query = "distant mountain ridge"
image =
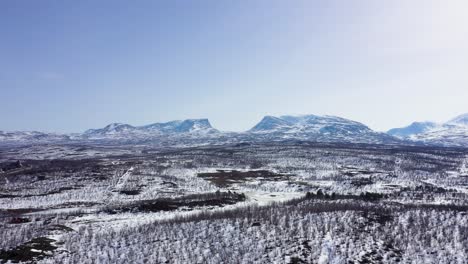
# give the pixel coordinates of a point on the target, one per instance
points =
(451, 133)
(413, 129)
(270, 128)
(306, 127)
(119, 130)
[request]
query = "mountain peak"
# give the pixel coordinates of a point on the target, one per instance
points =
(111, 128)
(269, 123)
(190, 125)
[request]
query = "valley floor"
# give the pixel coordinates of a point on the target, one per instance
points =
(241, 203)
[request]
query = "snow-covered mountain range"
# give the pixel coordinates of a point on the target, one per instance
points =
(270, 128)
(451, 133)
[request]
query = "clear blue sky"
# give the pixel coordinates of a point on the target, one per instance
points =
(67, 66)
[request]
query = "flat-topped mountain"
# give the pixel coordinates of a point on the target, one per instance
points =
(181, 126)
(318, 128)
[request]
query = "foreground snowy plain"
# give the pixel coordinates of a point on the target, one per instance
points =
(283, 202)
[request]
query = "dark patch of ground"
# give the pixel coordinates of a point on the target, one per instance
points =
(170, 204)
(361, 182)
(224, 178)
(19, 220)
(61, 228)
(130, 192)
(365, 196)
(34, 250)
(17, 212)
(9, 166)
(377, 217)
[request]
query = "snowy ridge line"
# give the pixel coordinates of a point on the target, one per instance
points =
(192, 132)
(200, 132)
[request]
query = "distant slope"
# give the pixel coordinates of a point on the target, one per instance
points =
(461, 120)
(31, 136)
(413, 129)
(451, 133)
(117, 131)
(179, 131)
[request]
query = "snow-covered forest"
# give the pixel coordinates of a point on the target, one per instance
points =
(240, 203)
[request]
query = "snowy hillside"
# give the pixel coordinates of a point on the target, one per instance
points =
(318, 128)
(451, 133)
(31, 136)
(413, 129)
(185, 126)
(460, 120)
(125, 131)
